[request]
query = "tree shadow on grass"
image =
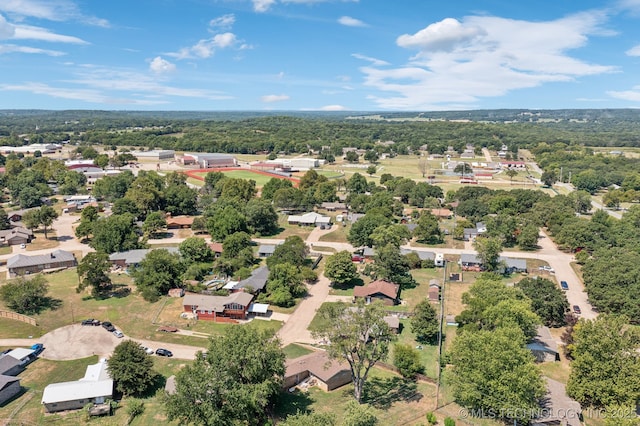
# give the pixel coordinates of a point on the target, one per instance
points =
(349, 285)
(383, 392)
(289, 403)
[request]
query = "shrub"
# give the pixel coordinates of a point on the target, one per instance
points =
(449, 422)
(431, 418)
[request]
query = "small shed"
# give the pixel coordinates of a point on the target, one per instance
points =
(176, 292)
(434, 291)
(9, 387)
(259, 309)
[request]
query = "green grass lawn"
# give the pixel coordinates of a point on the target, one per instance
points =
(394, 400)
(428, 353)
(294, 351)
(337, 236)
(259, 178)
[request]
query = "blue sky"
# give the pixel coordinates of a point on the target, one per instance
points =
(332, 55)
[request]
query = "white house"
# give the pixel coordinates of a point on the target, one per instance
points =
(95, 387)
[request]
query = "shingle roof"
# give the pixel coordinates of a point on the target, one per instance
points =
(423, 255)
(5, 380)
(267, 248)
(56, 256)
(7, 363)
(317, 363)
(257, 280)
(216, 303)
(379, 286)
(132, 257)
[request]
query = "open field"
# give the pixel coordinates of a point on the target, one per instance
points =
(261, 178)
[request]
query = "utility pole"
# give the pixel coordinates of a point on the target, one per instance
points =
(442, 289)
(561, 174)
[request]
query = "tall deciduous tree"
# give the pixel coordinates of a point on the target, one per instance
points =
(293, 250)
(157, 273)
(195, 250)
(424, 322)
(26, 296)
(488, 249)
(547, 300)
(340, 268)
(131, 368)
(233, 383)
(92, 272)
(358, 335)
(606, 366)
(115, 233)
(493, 370)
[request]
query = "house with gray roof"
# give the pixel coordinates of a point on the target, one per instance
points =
(9, 387)
(543, 346)
(309, 219)
(328, 373)
(266, 250)
(10, 366)
(15, 236)
(423, 255)
(21, 264)
(131, 258)
(256, 282)
(557, 408)
(218, 308)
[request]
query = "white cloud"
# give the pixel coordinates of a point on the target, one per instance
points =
(26, 32)
(333, 108)
(443, 35)
(275, 98)
(223, 22)
(374, 61)
(627, 95)
(11, 48)
(6, 29)
(58, 10)
(351, 22)
(458, 62)
(634, 51)
(262, 5)
(205, 48)
(161, 66)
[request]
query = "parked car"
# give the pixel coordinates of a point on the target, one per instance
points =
(564, 285)
(164, 352)
(91, 321)
(119, 334)
(546, 268)
(37, 348)
(6, 351)
(148, 351)
(576, 309)
(108, 326)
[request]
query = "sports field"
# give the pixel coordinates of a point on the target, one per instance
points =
(261, 178)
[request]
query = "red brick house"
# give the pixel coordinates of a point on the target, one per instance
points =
(388, 293)
(218, 308)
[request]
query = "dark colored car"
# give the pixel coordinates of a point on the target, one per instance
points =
(37, 348)
(91, 321)
(564, 285)
(576, 309)
(108, 326)
(164, 352)
(6, 351)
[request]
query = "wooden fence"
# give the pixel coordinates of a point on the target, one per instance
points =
(17, 317)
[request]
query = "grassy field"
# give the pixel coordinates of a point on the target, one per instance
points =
(294, 351)
(259, 178)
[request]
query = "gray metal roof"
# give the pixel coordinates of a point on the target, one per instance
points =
(423, 255)
(7, 363)
(5, 380)
(216, 303)
(133, 257)
(258, 279)
(470, 258)
(56, 256)
(267, 248)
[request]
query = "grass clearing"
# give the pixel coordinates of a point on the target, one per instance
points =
(42, 243)
(337, 236)
(428, 353)
(294, 350)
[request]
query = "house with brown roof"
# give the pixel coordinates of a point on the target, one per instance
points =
(177, 222)
(443, 213)
(216, 248)
(218, 308)
(388, 293)
(434, 291)
(317, 369)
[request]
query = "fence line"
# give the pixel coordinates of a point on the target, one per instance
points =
(18, 317)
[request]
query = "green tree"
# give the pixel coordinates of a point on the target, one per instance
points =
(359, 415)
(549, 177)
(424, 322)
(396, 235)
(234, 244)
(488, 249)
(528, 237)
(195, 250)
(92, 272)
(360, 232)
(547, 300)
(493, 370)
(407, 360)
(340, 269)
(131, 369)
(392, 266)
(606, 366)
(157, 273)
(358, 336)
(269, 189)
(154, 222)
(352, 157)
(243, 189)
(509, 313)
(428, 231)
(293, 250)
(26, 296)
(463, 168)
(115, 233)
(47, 215)
(371, 170)
(262, 217)
(310, 419)
(4, 219)
(232, 384)
(226, 222)
(511, 173)
(357, 184)
(180, 199)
